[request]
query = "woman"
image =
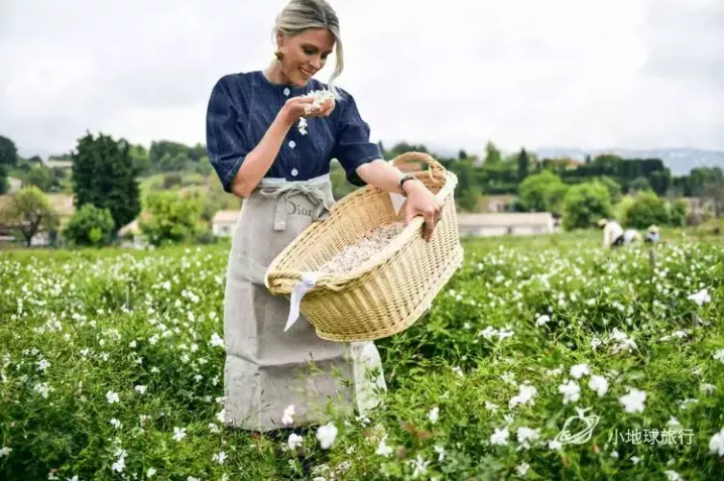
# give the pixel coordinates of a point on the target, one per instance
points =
(261, 154)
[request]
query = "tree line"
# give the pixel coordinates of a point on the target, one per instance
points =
(105, 173)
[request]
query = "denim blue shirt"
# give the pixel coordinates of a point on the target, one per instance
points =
(243, 106)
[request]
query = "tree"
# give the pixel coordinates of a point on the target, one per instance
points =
(41, 177)
(104, 174)
(660, 180)
(172, 219)
(523, 165)
(8, 152)
(28, 212)
(492, 155)
(542, 192)
(677, 213)
(469, 199)
(639, 184)
(614, 189)
(90, 226)
(647, 209)
(585, 204)
(8, 158)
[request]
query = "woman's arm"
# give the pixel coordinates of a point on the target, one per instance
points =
(420, 200)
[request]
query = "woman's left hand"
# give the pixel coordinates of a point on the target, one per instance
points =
(421, 201)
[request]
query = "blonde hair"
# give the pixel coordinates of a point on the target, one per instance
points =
(300, 15)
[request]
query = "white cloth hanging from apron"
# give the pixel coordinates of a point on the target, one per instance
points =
(268, 369)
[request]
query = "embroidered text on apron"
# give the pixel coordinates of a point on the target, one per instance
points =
(266, 368)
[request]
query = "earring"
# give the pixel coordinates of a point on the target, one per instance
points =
(279, 55)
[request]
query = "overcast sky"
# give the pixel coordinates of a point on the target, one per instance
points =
(451, 74)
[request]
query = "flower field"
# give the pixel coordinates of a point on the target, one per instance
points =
(542, 359)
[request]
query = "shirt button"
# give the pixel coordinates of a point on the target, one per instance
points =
(295, 172)
(292, 144)
(287, 92)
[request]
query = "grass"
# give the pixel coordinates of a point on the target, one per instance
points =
(79, 327)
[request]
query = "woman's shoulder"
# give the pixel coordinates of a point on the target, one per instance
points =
(233, 80)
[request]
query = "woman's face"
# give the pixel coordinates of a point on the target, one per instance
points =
(305, 54)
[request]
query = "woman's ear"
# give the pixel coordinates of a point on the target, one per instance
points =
(280, 39)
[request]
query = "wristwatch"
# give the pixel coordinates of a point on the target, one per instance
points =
(404, 179)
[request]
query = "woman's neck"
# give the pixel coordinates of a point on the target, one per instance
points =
(275, 74)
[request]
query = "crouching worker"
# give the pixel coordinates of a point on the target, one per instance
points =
(653, 236)
(614, 235)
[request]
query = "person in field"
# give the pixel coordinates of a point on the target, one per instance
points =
(615, 236)
(270, 148)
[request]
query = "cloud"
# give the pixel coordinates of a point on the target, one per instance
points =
(637, 73)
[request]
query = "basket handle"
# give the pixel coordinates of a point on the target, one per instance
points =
(436, 169)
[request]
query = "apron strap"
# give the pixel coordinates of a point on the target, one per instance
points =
(317, 195)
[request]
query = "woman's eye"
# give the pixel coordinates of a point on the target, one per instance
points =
(308, 51)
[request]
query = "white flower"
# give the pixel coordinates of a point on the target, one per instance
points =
(43, 389)
(598, 384)
(295, 441)
(500, 437)
(440, 450)
(672, 476)
(579, 370)
(522, 469)
(525, 396)
(542, 320)
(179, 434)
(5, 451)
(141, 389)
(716, 443)
(571, 391)
(707, 388)
(673, 422)
(219, 458)
(614, 454)
(527, 435)
(490, 406)
(458, 371)
(595, 342)
(326, 435)
(112, 397)
(633, 402)
(43, 365)
(150, 472)
(701, 297)
(433, 414)
(420, 466)
(191, 478)
(221, 415)
(116, 423)
(635, 460)
(287, 418)
(719, 356)
(554, 445)
(383, 449)
(508, 378)
(216, 341)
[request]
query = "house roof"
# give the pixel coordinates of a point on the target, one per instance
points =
(505, 220)
(225, 217)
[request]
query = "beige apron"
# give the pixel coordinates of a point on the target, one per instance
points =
(268, 369)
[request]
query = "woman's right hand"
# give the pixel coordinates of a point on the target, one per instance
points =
(295, 108)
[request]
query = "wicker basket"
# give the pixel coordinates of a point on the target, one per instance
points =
(388, 293)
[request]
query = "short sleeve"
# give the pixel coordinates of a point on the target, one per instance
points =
(226, 142)
(352, 145)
